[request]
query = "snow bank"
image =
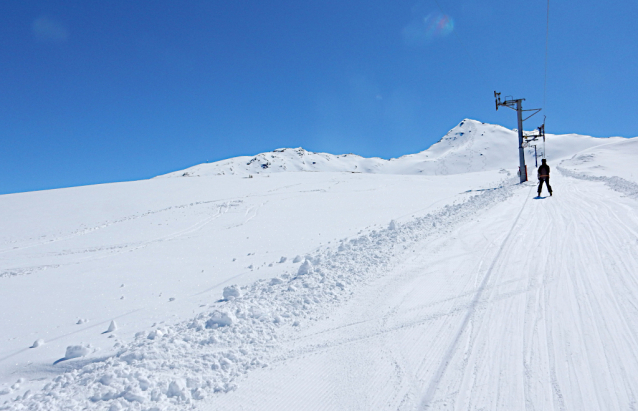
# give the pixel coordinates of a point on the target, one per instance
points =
(174, 366)
(616, 158)
(612, 163)
(615, 183)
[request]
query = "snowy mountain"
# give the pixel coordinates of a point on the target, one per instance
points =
(469, 147)
(431, 281)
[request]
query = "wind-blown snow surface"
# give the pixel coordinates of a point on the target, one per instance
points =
(328, 290)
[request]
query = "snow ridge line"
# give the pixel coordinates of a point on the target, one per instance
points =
(172, 367)
(615, 183)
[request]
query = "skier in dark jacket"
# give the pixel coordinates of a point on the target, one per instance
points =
(543, 175)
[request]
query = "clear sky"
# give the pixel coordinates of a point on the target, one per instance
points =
(104, 91)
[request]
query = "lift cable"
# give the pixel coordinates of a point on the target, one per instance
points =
(546, 47)
(545, 81)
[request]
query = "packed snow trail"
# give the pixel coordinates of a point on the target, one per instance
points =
(530, 306)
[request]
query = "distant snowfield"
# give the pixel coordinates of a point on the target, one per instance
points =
(431, 281)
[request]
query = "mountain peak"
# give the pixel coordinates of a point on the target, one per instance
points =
(470, 146)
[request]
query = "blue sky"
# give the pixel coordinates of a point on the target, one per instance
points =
(95, 92)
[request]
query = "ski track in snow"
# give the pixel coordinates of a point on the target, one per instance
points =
(104, 225)
(500, 302)
(218, 347)
(532, 307)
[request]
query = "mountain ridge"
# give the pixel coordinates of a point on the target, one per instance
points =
(470, 146)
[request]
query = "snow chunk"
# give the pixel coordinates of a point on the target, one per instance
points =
(219, 319)
(231, 292)
(305, 268)
(392, 226)
(282, 260)
(276, 281)
(106, 379)
(177, 389)
(134, 395)
(297, 259)
(75, 351)
(155, 334)
(112, 327)
(37, 343)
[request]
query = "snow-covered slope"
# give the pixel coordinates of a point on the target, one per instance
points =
(432, 281)
(618, 158)
(470, 146)
(152, 255)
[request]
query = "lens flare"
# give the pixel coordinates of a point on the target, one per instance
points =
(425, 30)
(438, 25)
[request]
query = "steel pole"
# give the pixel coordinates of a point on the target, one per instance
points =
(521, 151)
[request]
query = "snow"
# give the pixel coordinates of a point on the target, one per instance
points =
(231, 292)
(432, 281)
(469, 147)
(612, 164)
(37, 343)
(112, 327)
(75, 351)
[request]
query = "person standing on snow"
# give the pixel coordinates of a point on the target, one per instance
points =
(543, 175)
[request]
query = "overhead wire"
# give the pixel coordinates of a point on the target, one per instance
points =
(546, 48)
(545, 79)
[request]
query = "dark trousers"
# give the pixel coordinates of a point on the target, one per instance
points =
(540, 184)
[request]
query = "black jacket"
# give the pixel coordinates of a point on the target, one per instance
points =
(543, 171)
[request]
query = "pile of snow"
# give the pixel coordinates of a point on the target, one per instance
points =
(471, 146)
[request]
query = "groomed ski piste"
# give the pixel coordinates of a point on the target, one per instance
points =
(299, 280)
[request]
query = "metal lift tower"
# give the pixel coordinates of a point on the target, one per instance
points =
(519, 113)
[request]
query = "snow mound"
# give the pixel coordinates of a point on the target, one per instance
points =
(231, 292)
(76, 351)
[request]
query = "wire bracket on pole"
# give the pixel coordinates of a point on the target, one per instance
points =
(535, 111)
(529, 138)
